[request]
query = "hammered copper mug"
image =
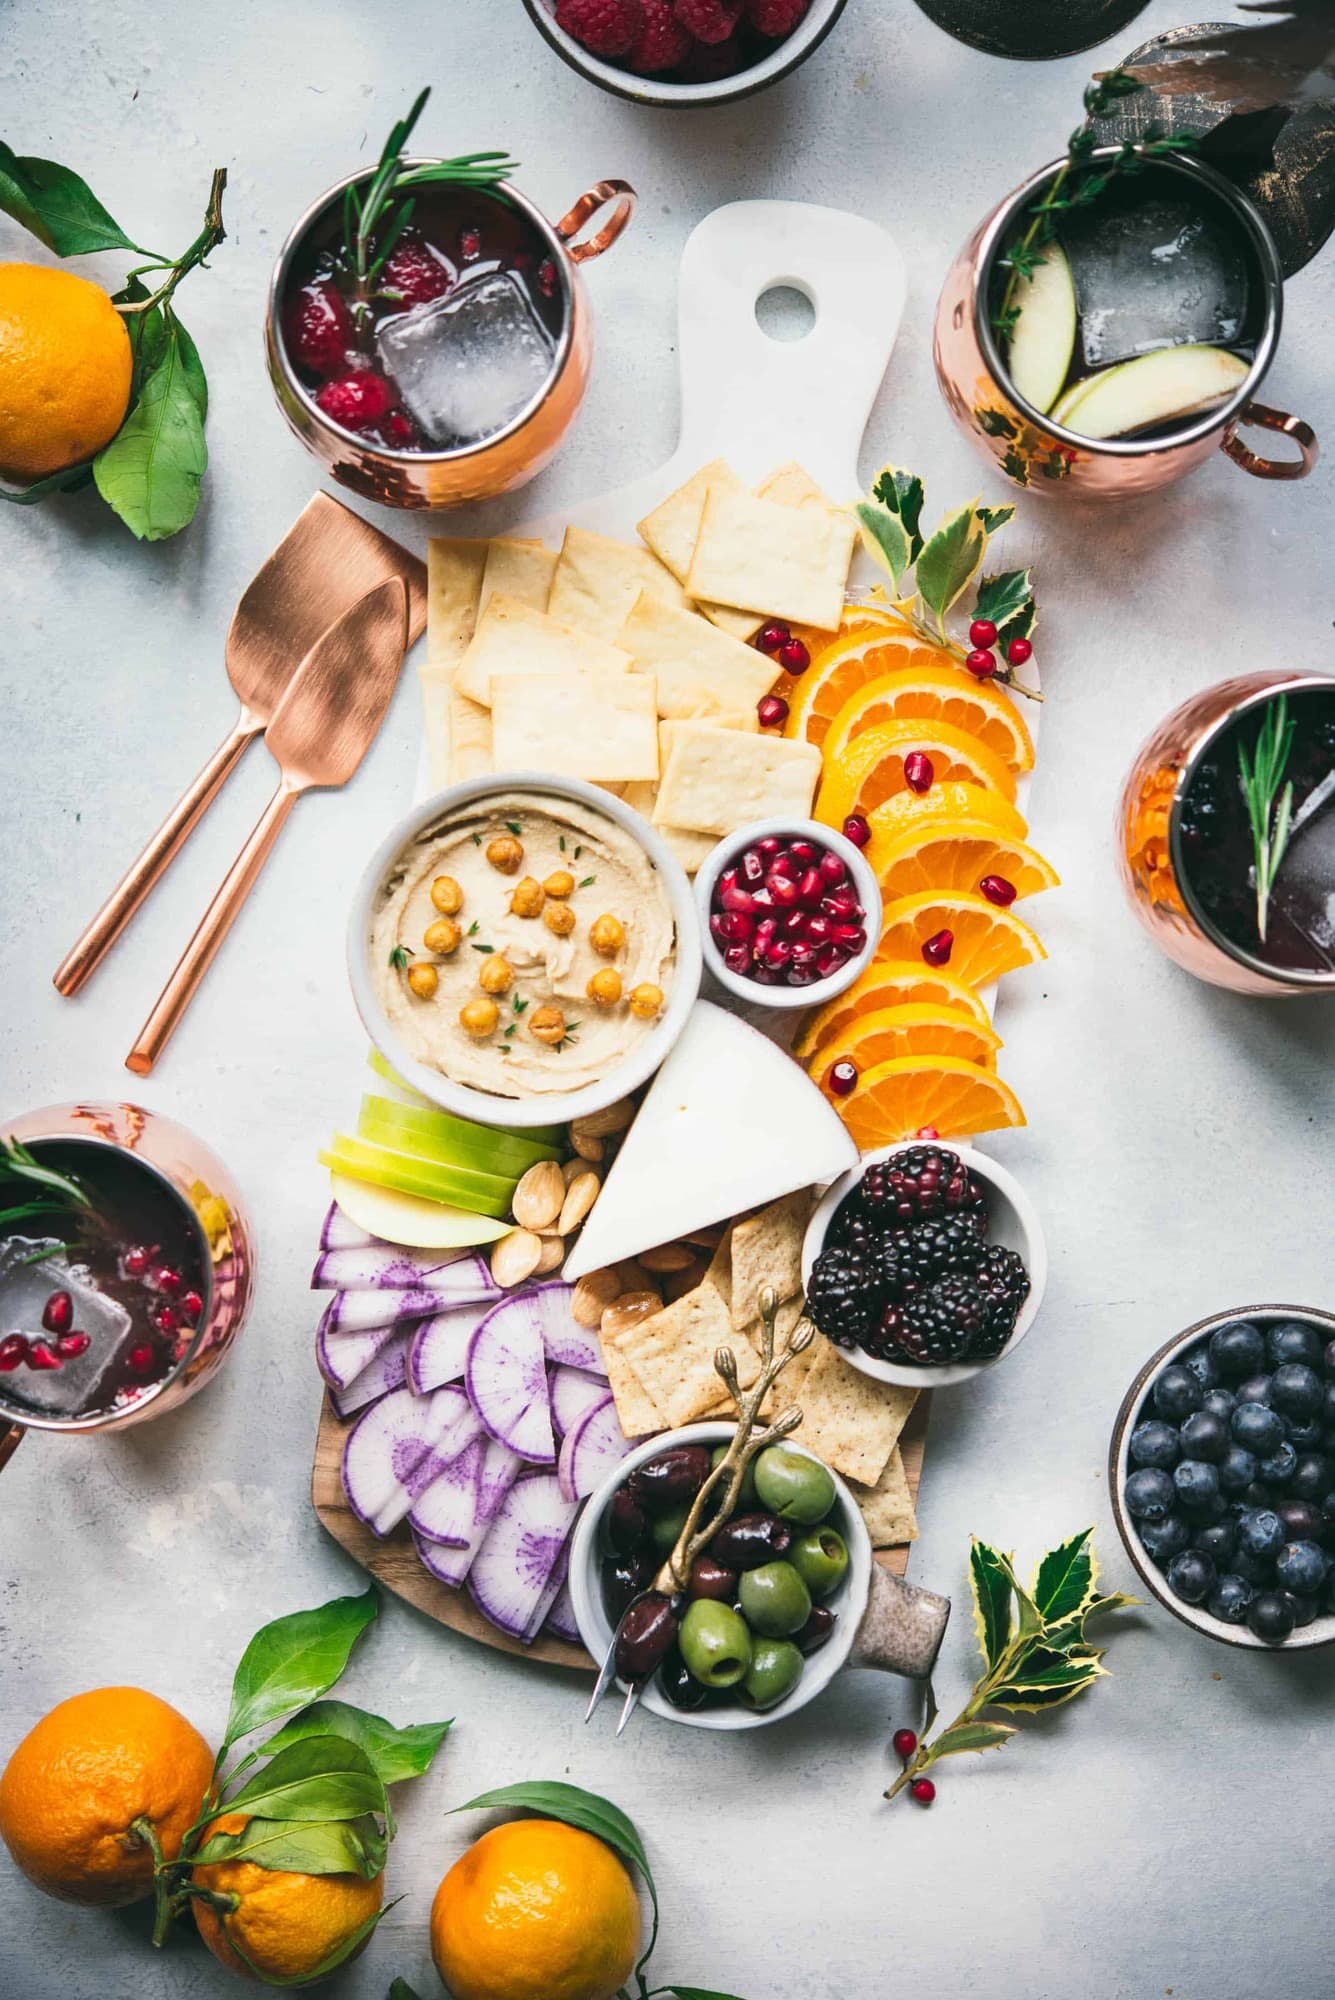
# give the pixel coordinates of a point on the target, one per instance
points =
(1044, 457)
(511, 456)
(203, 1190)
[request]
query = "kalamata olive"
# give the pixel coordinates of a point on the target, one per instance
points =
(816, 1631)
(681, 1687)
(749, 1540)
(710, 1579)
(627, 1524)
(673, 1478)
(646, 1634)
(624, 1580)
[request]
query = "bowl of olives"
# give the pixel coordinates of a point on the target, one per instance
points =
(781, 1598)
(1222, 1475)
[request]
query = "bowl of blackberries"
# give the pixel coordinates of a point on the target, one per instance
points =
(1222, 1472)
(925, 1263)
(775, 1599)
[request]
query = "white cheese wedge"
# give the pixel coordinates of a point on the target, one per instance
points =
(730, 1123)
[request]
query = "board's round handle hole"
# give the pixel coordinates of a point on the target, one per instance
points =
(785, 312)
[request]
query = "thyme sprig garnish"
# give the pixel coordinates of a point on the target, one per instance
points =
(372, 224)
(1078, 184)
(1269, 808)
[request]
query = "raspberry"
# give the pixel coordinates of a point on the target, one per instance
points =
(318, 328)
(663, 42)
(603, 27)
(775, 17)
(415, 271)
(710, 62)
(708, 20)
(356, 401)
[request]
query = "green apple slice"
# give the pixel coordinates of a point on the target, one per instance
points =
(411, 1219)
(437, 1135)
(542, 1135)
(1151, 389)
(481, 1194)
(1043, 340)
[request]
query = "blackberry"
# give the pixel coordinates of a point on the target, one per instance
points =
(1003, 1285)
(942, 1324)
(921, 1181)
(841, 1297)
(886, 1263)
(943, 1247)
(882, 1343)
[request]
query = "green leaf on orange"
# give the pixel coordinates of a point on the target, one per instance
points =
(150, 473)
(57, 206)
(295, 1660)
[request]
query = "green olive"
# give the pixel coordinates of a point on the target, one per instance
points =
(715, 1643)
(665, 1528)
(793, 1486)
(820, 1557)
(774, 1600)
(746, 1493)
(775, 1670)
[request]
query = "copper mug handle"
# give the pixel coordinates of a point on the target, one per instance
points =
(11, 1437)
(588, 205)
(1266, 419)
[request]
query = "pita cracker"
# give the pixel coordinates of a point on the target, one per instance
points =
(599, 726)
(700, 672)
(520, 570)
(716, 779)
(637, 1412)
(788, 562)
(887, 1507)
(597, 581)
(767, 1250)
(469, 750)
(848, 1419)
(671, 531)
(691, 849)
(673, 1354)
(454, 572)
(791, 485)
(512, 637)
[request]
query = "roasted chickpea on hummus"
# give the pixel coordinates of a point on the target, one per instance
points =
(573, 863)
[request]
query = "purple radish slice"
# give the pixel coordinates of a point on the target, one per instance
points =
(512, 1569)
(556, 1583)
(590, 1450)
(397, 1447)
(342, 1356)
(386, 1267)
(561, 1618)
(451, 1564)
(448, 1564)
(389, 1370)
(573, 1391)
(341, 1233)
(567, 1345)
(440, 1349)
(359, 1312)
(446, 1510)
(507, 1379)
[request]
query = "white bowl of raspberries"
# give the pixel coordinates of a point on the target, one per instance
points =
(684, 51)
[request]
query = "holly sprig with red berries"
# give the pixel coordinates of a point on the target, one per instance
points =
(944, 564)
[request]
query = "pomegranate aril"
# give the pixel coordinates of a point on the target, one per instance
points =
(192, 1305)
(982, 634)
(740, 900)
(769, 846)
(918, 771)
(58, 1313)
(832, 869)
(805, 974)
(981, 664)
(547, 278)
(166, 1319)
(765, 975)
(737, 958)
(751, 868)
(72, 1344)
(784, 864)
(851, 935)
(841, 1078)
(766, 932)
(842, 904)
(817, 928)
(727, 879)
(165, 1279)
(772, 637)
(830, 958)
(1018, 651)
(470, 245)
(857, 830)
(804, 852)
(937, 949)
(776, 954)
(141, 1357)
(783, 890)
(804, 952)
(794, 657)
(998, 890)
(136, 1261)
(735, 927)
(41, 1356)
(794, 925)
(13, 1350)
(810, 889)
(772, 711)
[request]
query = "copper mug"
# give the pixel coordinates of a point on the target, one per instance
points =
(1149, 838)
(198, 1182)
(512, 455)
(1036, 453)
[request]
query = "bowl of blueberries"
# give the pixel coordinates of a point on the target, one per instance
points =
(1222, 1472)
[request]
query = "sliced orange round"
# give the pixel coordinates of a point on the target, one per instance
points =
(985, 941)
(957, 853)
(973, 804)
(885, 984)
(952, 1097)
(870, 769)
(860, 622)
(937, 694)
(871, 1039)
(848, 663)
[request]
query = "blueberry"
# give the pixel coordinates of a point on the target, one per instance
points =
(1279, 1468)
(1205, 1436)
(1260, 1532)
(1313, 1476)
(1258, 1571)
(1162, 1540)
(1197, 1485)
(1292, 1342)
(1297, 1391)
(1307, 1433)
(1229, 1599)
(1270, 1615)
(1260, 1429)
(1328, 1401)
(1218, 1542)
(1190, 1576)
(1237, 1469)
(1154, 1444)
(1258, 1494)
(1150, 1494)
(1256, 1389)
(1330, 1357)
(1220, 1402)
(1301, 1567)
(1237, 1349)
(1178, 1394)
(1304, 1609)
(1302, 1521)
(1202, 1367)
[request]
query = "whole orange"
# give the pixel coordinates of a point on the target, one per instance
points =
(287, 1925)
(73, 1789)
(536, 1910)
(65, 364)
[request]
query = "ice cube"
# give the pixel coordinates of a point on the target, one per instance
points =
(468, 362)
(1154, 273)
(83, 1382)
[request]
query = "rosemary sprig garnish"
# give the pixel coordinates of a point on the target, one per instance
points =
(1269, 809)
(46, 1189)
(372, 225)
(1077, 185)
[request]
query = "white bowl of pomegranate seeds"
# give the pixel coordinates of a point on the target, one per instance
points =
(790, 912)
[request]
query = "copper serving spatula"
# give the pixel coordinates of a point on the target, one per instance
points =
(325, 562)
(320, 731)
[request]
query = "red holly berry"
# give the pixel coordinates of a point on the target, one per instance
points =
(982, 632)
(923, 1790)
(772, 710)
(603, 27)
(1018, 651)
(708, 20)
(998, 890)
(775, 17)
(794, 657)
(662, 43)
(904, 1743)
(841, 1078)
(981, 664)
(857, 830)
(356, 401)
(918, 771)
(415, 270)
(318, 328)
(938, 948)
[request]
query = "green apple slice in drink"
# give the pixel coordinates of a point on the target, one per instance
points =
(1043, 339)
(1156, 388)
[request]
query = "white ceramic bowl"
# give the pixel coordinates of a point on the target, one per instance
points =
(848, 1602)
(1321, 1632)
(788, 998)
(518, 1113)
(786, 55)
(1012, 1221)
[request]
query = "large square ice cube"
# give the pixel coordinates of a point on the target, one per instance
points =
(468, 362)
(83, 1382)
(1158, 272)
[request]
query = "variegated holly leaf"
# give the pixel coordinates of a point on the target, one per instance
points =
(901, 493)
(963, 1736)
(993, 518)
(989, 1580)
(1064, 1580)
(885, 538)
(1008, 600)
(1029, 1623)
(950, 559)
(1046, 1680)
(1068, 1633)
